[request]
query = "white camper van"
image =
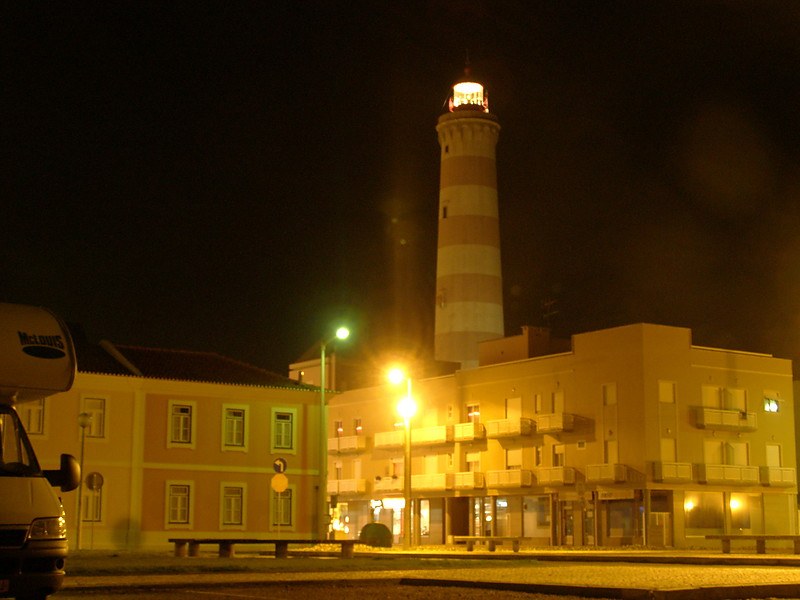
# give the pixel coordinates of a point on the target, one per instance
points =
(37, 358)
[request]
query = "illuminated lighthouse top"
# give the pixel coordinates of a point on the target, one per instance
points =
(469, 95)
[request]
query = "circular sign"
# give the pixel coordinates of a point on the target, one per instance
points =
(279, 464)
(279, 483)
(94, 481)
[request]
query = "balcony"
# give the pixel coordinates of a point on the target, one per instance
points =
(347, 444)
(433, 482)
(506, 428)
(389, 439)
(555, 422)
(432, 436)
(778, 476)
(728, 474)
(607, 473)
(467, 432)
(344, 487)
(725, 420)
(672, 472)
(555, 475)
(510, 478)
(388, 484)
(468, 480)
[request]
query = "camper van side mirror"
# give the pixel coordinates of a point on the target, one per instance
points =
(68, 476)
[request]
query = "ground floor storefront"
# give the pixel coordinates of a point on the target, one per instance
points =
(599, 517)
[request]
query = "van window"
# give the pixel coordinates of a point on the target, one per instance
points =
(16, 456)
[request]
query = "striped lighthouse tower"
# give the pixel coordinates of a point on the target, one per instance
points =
(469, 293)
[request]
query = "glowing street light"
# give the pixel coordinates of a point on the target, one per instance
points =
(323, 514)
(407, 408)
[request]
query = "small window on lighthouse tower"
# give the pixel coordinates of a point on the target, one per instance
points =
(469, 93)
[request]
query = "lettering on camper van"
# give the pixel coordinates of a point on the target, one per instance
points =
(42, 346)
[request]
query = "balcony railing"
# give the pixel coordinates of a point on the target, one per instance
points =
(501, 428)
(343, 487)
(778, 476)
(432, 436)
(726, 420)
(510, 478)
(389, 439)
(432, 481)
(731, 474)
(388, 484)
(468, 480)
(467, 432)
(554, 422)
(346, 444)
(610, 473)
(672, 471)
(555, 475)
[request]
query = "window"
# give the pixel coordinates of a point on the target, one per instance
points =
(32, 416)
(338, 428)
(283, 431)
(234, 425)
(92, 505)
(473, 413)
(181, 424)
(282, 508)
(473, 462)
(772, 401)
(609, 394)
(232, 504)
(558, 455)
(357, 428)
(666, 392)
(96, 409)
(179, 503)
(514, 458)
(537, 455)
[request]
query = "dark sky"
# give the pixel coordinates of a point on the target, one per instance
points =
(237, 176)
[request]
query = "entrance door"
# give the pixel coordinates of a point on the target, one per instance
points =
(567, 524)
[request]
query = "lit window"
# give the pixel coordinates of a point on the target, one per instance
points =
(338, 426)
(473, 413)
(357, 427)
(771, 402)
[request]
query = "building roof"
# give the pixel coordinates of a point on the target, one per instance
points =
(107, 358)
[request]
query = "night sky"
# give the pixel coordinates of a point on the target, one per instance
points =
(237, 176)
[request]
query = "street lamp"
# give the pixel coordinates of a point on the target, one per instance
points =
(322, 489)
(84, 420)
(406, 408)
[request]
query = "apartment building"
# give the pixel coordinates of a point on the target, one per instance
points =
(178, 443)
(625, 436)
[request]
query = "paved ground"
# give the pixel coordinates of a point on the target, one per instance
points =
(678, 576)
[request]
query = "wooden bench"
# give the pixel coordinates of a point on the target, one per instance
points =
(760, 539)
(226, 546)
(490, 540)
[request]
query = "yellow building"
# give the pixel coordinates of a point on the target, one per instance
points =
(631, 435)
(180, 443)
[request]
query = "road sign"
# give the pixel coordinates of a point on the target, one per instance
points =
(94, 481)
(279, 464)
(279, 483)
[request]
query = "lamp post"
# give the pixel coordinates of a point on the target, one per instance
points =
(406, 408)
(322, 489)
(84, 420)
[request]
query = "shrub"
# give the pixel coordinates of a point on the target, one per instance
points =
(376, 535)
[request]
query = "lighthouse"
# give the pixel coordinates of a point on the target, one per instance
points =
(469, 290)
